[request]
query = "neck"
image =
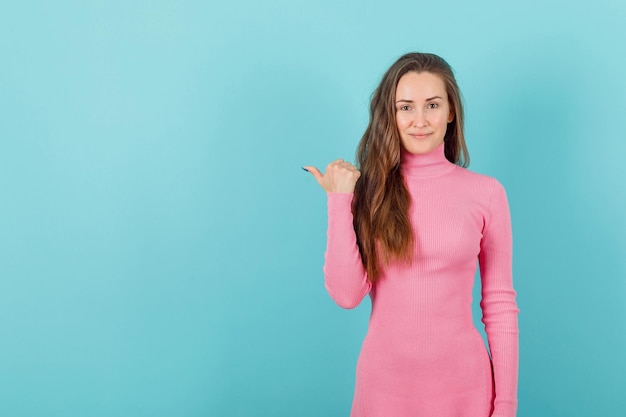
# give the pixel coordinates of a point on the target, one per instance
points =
(431, 164)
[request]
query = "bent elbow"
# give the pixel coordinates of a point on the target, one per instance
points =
(347, 304)
(345, 299)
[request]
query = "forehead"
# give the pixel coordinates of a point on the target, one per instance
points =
(422, 85)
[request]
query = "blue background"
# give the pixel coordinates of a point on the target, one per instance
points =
(161, 249)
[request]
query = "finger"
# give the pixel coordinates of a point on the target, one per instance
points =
(315, 172)
(349, 166)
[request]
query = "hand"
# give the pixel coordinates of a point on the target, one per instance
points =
(340, 176)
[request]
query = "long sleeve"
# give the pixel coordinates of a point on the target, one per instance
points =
(345, 278)
(500, 311)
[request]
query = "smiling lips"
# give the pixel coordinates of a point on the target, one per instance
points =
(420, 135)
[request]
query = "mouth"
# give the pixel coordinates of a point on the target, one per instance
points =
(420, 135)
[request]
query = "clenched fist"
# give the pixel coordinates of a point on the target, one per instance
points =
(340, 176)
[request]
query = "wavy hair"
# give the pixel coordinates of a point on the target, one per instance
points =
(381, 199)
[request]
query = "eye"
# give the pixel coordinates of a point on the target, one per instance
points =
(432, 105)
(406, 107)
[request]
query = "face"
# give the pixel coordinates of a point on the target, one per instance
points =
(422, 111)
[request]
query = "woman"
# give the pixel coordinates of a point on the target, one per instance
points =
(408, 227)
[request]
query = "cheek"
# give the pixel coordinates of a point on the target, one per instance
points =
(442, 119)
(402, 121)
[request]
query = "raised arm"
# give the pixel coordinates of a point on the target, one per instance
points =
(498, 303)
(344, 275)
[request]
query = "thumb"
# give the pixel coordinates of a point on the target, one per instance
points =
(315, 172)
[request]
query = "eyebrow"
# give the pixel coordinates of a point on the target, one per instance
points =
(411, 101)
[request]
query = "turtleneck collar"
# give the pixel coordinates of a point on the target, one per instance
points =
(431, 164)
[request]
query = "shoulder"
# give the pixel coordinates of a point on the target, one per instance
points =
(479, 182)
(491, 192)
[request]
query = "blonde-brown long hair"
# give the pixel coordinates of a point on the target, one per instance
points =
(381, 200)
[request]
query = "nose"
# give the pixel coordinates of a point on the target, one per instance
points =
(419, 118)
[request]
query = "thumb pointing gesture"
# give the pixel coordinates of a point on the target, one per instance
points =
(315, 172)
(340, 176)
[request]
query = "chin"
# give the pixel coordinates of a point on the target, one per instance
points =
(421, 148)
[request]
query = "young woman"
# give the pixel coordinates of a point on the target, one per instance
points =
(408, 226)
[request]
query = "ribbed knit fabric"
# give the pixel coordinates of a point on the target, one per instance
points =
(422, 355)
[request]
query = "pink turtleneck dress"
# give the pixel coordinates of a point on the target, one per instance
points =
(422, 355)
